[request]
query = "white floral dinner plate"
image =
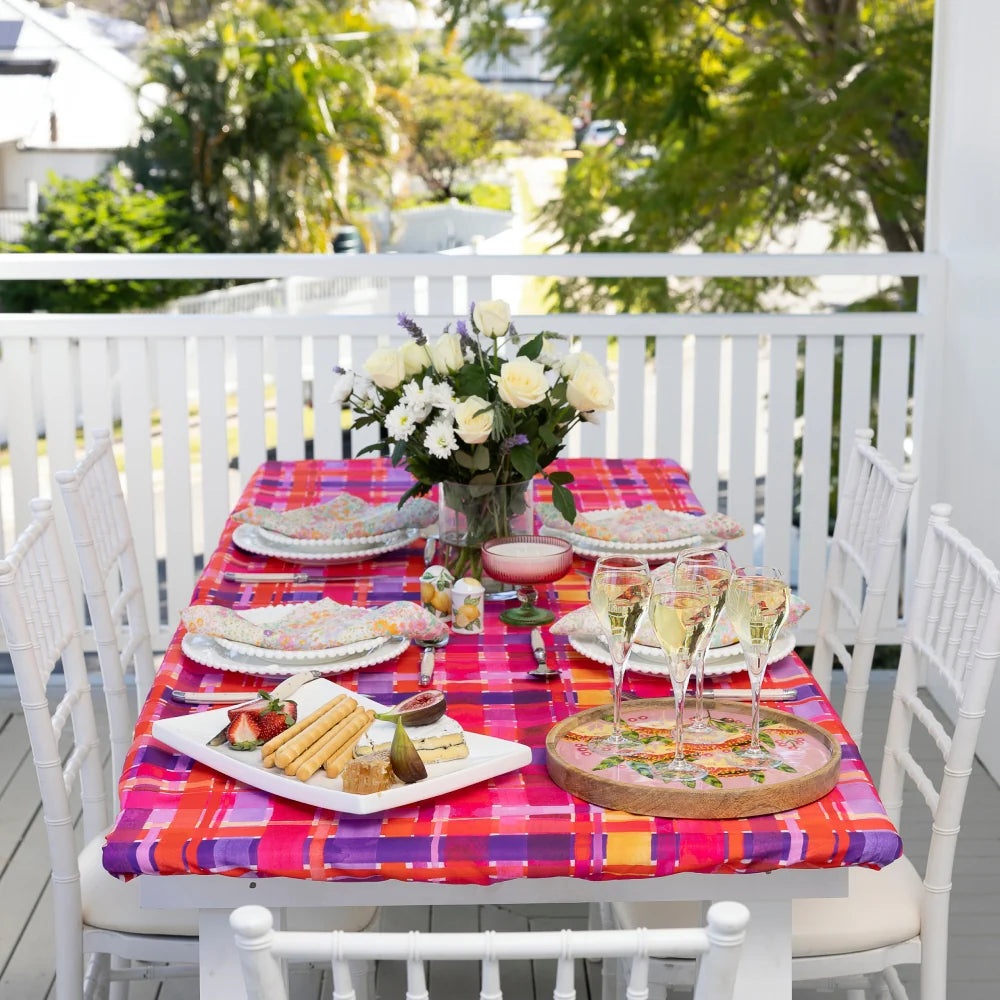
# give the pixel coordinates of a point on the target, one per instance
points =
(367, 542)
(248, 538)
(592, 647)
(611, 546)
(205, 650)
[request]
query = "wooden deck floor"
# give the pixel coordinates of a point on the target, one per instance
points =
(26, 950)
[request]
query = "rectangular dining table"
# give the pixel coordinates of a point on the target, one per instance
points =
(199, 838)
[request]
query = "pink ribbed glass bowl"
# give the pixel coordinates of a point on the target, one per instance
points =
(527, 558)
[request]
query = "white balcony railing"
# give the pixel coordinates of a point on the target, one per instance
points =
(196, 392)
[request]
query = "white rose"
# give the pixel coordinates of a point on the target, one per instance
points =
(492, 318)
(472, 426)
(385, 367)
(522, 383)
(581, 359)
(342, 387)
(446, 353)
(590, 389)
(415, 357)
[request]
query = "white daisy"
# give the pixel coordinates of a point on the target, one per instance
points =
(400, 422)
(342, 387)
(442, 397)
(440, 438)
(417, 397)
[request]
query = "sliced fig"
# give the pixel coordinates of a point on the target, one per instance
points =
(406, 763)
(418, 710)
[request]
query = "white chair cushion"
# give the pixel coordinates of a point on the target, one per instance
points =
(883, 908)
(113, 905)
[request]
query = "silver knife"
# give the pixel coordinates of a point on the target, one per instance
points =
(426, 666)
(287, 687)
(543, 670)
(283, 577)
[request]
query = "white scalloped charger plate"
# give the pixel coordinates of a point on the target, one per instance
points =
(488, 757)
(205, 651)
(274, 614)
(248, 538)
(594, 649)
(368, 542)
(612, 546)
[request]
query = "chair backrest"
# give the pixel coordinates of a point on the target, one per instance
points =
(102, 535)
(952, 631)
(871, 512)
(36, 609)
(718, 945)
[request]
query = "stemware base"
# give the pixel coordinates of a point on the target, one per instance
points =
(760, 757)
(682, 771)
(529, 616)
(620, 745)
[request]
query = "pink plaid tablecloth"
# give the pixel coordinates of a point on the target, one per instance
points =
(181, 817)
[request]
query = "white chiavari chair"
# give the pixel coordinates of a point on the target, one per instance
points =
(871, 512)
(102, 535)
(898, 916)
(717, 945)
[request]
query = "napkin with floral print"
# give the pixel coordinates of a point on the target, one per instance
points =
(345, 516)
(316, 624)
(645, 524)
(583, 621)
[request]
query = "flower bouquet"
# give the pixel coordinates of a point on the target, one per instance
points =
(481, 411)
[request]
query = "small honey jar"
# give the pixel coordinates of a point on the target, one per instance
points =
(467, 600)
(435, 591)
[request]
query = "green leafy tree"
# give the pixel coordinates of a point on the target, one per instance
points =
(102, 215)
(456, 127)
(267, 111)
(745, 118)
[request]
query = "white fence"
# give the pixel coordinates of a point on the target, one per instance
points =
(717, 391)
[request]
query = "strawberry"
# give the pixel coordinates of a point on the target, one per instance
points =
(244, 732)
(272, 715)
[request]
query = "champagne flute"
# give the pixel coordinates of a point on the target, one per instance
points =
(714, 567)
(619, 593)
(681, 614)
(757, 605)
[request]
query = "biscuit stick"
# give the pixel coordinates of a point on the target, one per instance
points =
(334, 736)
(336, 762)
(345, 740)
(285, 754)
(269, 748)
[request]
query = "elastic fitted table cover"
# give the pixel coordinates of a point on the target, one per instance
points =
(180, 817)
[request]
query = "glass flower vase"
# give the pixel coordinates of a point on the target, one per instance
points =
(472, 513)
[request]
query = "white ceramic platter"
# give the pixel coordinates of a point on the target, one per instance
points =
(368, 542)
(249, 538)
(206, 651)
(592, 647)
(274, 614)
(488, 757)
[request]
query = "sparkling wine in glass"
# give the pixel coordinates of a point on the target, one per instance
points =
(619, 593)
(757, 605)
(714, 568)
(681, 614)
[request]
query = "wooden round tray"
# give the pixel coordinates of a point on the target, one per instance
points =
(732, 789)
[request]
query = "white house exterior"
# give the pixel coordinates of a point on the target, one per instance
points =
(67, 101)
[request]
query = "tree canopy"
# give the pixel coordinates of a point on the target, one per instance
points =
(745, 117)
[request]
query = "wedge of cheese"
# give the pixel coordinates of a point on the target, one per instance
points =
(440, 741)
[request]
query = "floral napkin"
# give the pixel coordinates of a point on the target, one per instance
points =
(647, 523)
(316, 624)
(346, 516)
(583, 621)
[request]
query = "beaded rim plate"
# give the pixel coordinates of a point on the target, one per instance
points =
(612, 546)
(249, 539)
(367, 542)
(592, 647)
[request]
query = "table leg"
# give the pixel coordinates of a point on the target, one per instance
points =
(766, 962)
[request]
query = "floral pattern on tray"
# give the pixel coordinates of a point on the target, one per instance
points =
(345, 516)
(316, 624)
(583, 621)
(800, 752)
(645, 524)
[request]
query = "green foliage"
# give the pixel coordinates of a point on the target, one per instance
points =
(745, 117)
(456, 127)
(101, 215)
(264, 114)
